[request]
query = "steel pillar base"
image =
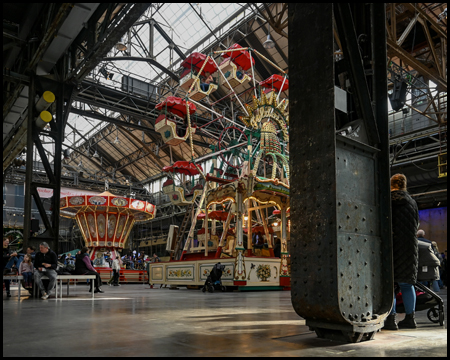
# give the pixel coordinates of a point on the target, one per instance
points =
(344, 333)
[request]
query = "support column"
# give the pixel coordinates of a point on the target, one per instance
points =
(249, 232)
(285, 276)
(29, 164)
(341, 246)
(239, 264)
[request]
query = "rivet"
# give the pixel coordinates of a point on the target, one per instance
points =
(342, 299)
(348, 216)
(358, 275)
(351, 305)
(356, 229)
(359, 297)
(364, 219)
(366, 287)
(349, 262)
(356, 206)
(342, 274)
(365, 240)
(368, 313)
(339, 203)
(340, 249)
(357, 250)
(350, 287)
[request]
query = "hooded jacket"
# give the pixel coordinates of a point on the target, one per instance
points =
(405, 223)
(83, 264)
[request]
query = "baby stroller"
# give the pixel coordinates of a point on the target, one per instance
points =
(213, 281)
(425, 297)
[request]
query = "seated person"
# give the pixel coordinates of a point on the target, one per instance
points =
(45, 264)
(31, 250)
(26, 270)
(83, 266)
(205, 81)
(240, 73)
(11, 260)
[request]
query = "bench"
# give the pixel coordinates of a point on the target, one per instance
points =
(59, 281)
(14, 277)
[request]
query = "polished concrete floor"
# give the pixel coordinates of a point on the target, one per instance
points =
(134, 320)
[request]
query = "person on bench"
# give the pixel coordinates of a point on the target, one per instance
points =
(83, 266)
(11, 260)
(45, 264)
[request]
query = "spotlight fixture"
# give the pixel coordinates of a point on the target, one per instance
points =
(245, 218)
(121, 45)
(269, 43)
(81, 163)
(275, 224)
(117, 141)
(96, 155)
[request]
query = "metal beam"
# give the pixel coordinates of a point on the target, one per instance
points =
(352, 55)
(430, 73)
(148, 60)
(169, 40)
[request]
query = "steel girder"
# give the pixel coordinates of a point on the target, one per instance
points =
(341, 246)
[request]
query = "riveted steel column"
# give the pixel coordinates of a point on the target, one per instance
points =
(341, 257)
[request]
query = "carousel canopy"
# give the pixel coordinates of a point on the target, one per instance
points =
(240, 58)
(107, 202)
(259, 230)
(196, 60)
(275, 82)
(183, 167)
(176, 105)
(215, 215)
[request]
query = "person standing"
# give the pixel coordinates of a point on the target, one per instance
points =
(45, 264)
(405, 223)
(116, 271)
(421, 237)
(83, 266)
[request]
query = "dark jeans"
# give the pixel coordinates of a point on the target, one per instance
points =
(409, 298)
(98, 279)
(204, 87)
(6, 282)
(116, 277)
(27, 277)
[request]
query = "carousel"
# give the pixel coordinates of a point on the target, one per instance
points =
(238, 211)
(105, 221)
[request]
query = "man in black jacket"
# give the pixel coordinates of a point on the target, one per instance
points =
(405, 223)
(45, 264)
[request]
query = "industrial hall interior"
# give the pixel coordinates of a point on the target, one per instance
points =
(150, 155)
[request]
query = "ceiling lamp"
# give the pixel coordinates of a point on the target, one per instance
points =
(269, 43)
(96, 155)
(121, 46)
(117, 141)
